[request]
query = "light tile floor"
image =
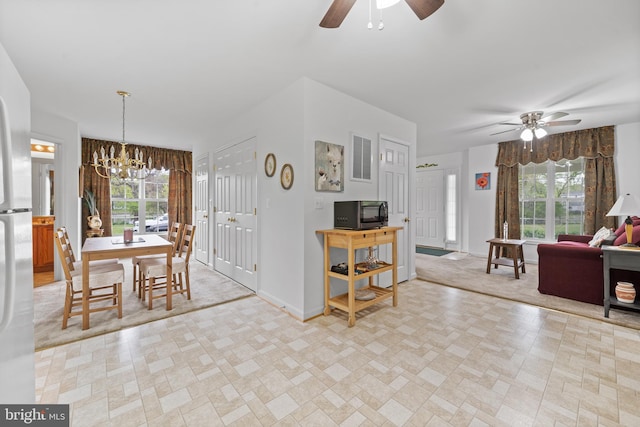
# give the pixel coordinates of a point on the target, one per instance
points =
(442, 357)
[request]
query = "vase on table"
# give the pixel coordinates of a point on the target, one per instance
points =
(94, 222)
(625, 292)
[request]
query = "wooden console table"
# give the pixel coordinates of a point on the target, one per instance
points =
(352, 240)
(517, 257)
(622, 259)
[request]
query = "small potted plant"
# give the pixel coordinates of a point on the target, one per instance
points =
(93, 220)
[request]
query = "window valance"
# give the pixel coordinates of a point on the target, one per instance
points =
(588, 143)
(166, 158)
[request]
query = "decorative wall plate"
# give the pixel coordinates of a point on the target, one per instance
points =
(270, 164)
(286, 176)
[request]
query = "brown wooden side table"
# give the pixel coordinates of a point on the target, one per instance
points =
(517, 256)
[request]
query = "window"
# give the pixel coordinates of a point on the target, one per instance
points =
(451, 208)
(551, 199)
(141, 203)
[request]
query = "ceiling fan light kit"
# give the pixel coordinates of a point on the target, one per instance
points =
(540, 133)
(534, 122)
(527, 135)
(340, 8)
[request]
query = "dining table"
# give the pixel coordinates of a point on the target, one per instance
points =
(114, 247)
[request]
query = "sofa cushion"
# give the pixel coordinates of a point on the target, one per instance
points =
(600, 235)
(620, 230)
(635, 237)
(571, 243)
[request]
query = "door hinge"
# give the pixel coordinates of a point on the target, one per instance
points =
(215, 251)
(380, 156)
(255, 154)
(255, 267)
(215, 209)
(255, 211)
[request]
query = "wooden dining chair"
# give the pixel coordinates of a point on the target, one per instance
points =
(154, 270)
(174, 234)
(105, 282)
(78, 264)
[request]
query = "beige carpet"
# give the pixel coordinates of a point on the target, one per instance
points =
(208, 288)
(469, 272)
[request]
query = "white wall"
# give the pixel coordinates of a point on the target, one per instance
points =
(332, 116)
(288, 124)
(278, 125)
(65, 134)
(627, 155)
(478, 207)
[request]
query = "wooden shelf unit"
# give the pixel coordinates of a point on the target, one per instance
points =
(624, 259)
(351, 240)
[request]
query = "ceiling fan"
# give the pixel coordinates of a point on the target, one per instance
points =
(534, 122)
(340, 8)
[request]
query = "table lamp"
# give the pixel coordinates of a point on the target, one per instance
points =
(626, 205)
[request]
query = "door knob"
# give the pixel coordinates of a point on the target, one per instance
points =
(406, 219)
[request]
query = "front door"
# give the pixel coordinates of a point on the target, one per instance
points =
(235, 248)
(430, 208)
(394, 188)
(202, 209)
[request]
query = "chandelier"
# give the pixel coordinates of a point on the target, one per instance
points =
(123, 166)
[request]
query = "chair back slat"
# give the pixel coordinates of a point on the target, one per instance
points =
(174, 236)
(66, 238)
(188, 238)
(64, 252)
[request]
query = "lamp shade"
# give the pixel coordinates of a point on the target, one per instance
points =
(527, 135)
(626, 205)
(540, 133)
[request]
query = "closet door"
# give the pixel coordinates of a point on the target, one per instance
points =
(235, 251)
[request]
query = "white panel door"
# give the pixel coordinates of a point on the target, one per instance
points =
(222, 213)
(235, 248)
(394, 188)
(429, 221)
(202, 209)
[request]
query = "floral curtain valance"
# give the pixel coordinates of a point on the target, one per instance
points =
(588, 143)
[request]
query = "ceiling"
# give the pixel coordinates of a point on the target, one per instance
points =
(192, 65)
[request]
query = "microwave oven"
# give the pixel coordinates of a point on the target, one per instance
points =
(360, 214)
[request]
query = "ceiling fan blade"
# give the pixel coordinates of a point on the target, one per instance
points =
(336, 13)
(563, 123)
(504, 131)
(510, 124)
(424, 8)
(553, 116)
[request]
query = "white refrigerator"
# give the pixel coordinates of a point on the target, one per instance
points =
(17, 377)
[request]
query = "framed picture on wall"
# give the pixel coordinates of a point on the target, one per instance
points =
(329, 168)
(483, 181)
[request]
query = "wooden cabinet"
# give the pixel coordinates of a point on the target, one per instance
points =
(351, 240)
(42, 227)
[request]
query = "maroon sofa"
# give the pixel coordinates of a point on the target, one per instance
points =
(572, 269)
